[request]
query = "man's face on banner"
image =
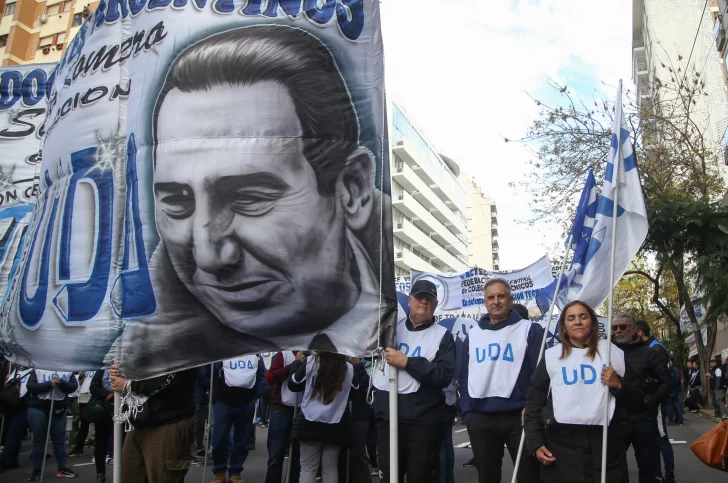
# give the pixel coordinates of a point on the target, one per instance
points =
(239, 212)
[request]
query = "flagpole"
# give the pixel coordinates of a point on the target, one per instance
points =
(612, 261)
(393, 426)
(543, 345)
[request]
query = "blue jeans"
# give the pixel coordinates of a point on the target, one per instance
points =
(15, 423)
(225, 418)
(675, 408)
(447, 451)
(279, 437)
(643, 436)
(38, 422)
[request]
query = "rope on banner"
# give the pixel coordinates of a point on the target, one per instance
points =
(378, 353)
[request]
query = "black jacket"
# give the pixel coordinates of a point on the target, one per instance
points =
(236, 396)
(579, 445)
(339, 434)
(174, 402)
(427, 404)
(36, 388)
(650, 375)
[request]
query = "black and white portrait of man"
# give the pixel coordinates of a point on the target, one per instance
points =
(265, 201)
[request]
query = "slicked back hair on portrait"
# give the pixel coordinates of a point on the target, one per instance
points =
(295, 59)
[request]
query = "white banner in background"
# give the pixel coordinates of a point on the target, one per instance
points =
(466, 290)
(23, 104)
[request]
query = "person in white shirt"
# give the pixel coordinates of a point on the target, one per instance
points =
(323, 426)
(565, 408)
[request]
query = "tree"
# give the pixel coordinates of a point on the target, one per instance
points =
(678, 163)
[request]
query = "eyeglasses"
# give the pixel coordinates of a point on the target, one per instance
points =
(621, 327)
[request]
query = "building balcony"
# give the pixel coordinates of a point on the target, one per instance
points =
(494, 232)
(440, 181)
(426, 221)
(403, 174)
(406, 260)
(428, 245)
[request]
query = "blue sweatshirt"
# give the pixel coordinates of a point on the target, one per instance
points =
(517, 401)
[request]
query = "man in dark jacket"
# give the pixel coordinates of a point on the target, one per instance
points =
(158, 447)
(499, 358)
(675, 402)
(650, 374)
(236, 384)
(717, 386)
(694, 399)
(663, 440)
(426, 361)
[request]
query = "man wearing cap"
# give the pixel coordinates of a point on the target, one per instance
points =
(499, 358)
(425, 357)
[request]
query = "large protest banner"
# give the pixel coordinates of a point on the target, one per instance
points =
(214, 183)
(23, 104)
(466, 290)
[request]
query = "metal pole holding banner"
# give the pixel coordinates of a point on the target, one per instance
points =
(543, 346)
(48, 434)
(290, 446)
(208, 427)
(393, 426)
(610, 312)
(118, 442)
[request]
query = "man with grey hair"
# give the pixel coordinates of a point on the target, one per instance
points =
(649, 374)
(498, 361)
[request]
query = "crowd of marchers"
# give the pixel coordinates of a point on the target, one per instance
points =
(499, 380)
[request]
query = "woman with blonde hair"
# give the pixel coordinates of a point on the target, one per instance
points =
(565, 409)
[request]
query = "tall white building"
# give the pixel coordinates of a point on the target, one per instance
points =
(428, 203)
(482, 217)
(665, 29)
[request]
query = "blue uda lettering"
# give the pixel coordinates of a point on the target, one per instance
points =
(494, 352)
(405, 348)
(29, 88)
(241, 364)
(589, 378)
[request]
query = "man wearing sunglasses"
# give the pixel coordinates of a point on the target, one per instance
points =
(650, 374)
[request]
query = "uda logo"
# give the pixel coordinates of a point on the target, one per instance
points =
(588, 375)
(439, 284)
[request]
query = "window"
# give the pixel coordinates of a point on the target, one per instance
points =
(53, 10)
(77, 19)
(61, 38)
(67, 6)
(10, 9)
(3, 40)
(46, 42)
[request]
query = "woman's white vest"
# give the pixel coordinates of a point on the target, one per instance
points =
(241, 371)
(47, 376)
(495, 358)
(417, 343)
(288, 397)
(576, 386)
(313, 407)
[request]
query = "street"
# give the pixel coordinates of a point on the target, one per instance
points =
(687, 467)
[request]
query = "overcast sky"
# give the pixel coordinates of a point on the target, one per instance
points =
(461, 68)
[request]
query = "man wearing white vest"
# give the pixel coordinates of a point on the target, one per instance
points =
(236, 383)
(425, 355)
(499, 359)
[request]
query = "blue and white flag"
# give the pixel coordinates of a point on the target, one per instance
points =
(578, 241)
(588, 278)
(591, 284)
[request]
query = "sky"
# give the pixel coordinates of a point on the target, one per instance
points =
(461, 70)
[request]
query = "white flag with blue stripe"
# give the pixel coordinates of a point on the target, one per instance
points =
(591, 285)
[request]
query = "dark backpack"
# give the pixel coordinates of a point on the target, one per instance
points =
(676, 378)
(10, 394)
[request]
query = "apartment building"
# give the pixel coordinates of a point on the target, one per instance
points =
(428, 203)
(482, 216)
(38, 32)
